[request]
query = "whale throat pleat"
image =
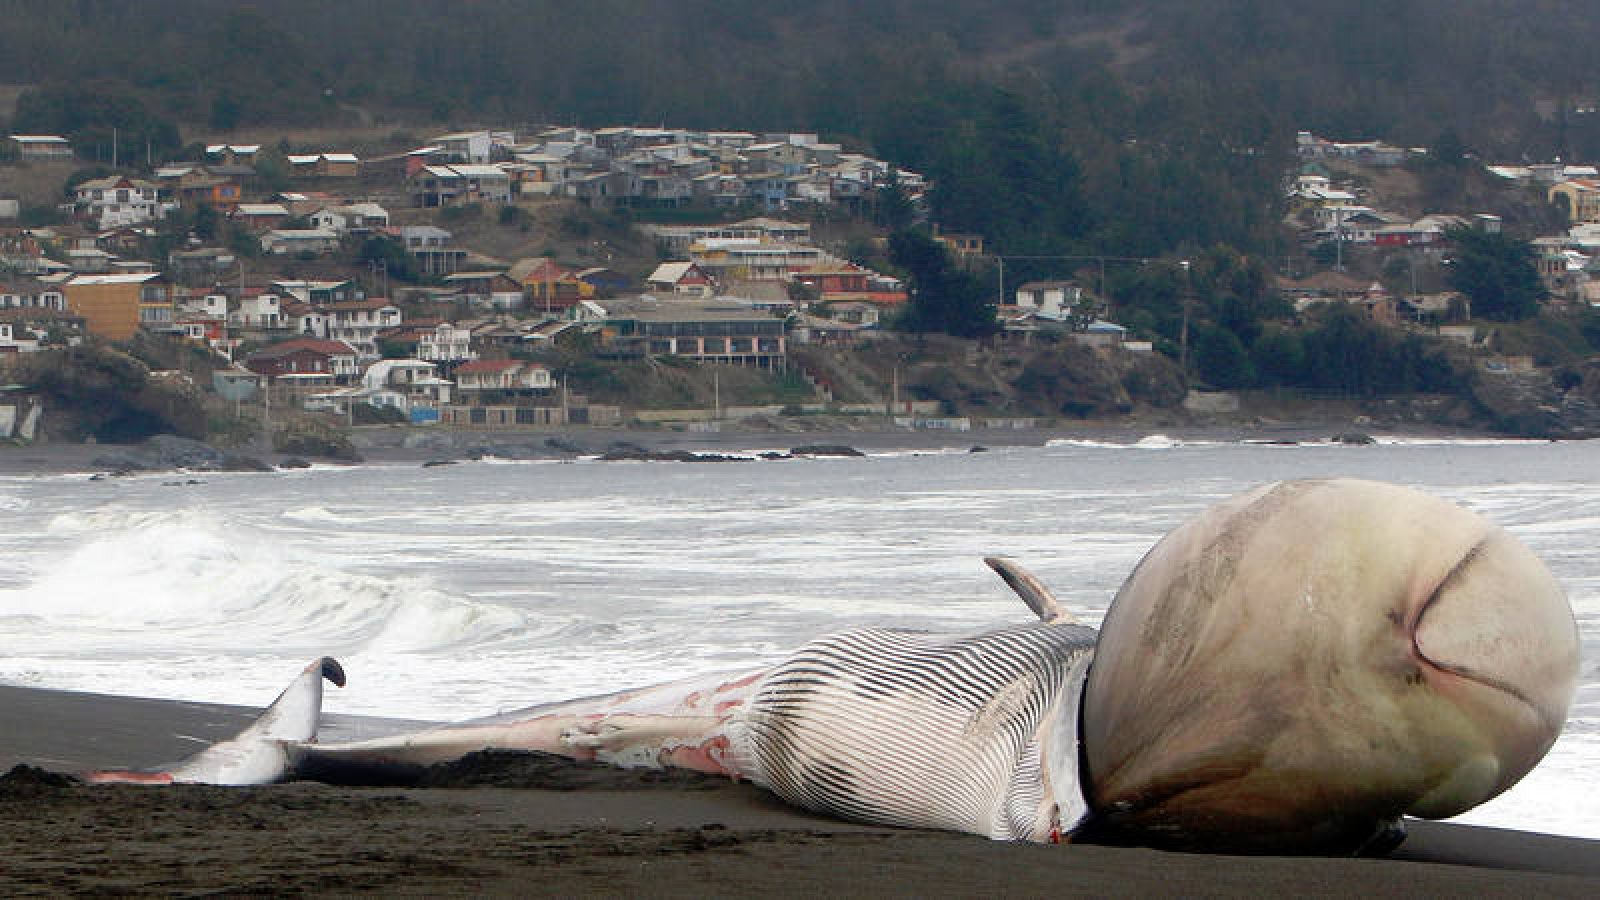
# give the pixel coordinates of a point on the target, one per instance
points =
(908, 729)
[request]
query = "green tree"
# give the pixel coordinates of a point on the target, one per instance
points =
(1222, 361)
(396, 262)
(1278, 357)
(1342, 353)
(105, 120)
(891, 208)
(944, 297)
(224, 112)
(1497, 273)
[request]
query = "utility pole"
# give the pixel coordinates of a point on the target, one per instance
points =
(1183, 335)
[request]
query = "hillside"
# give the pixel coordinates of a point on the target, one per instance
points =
(1068, 126)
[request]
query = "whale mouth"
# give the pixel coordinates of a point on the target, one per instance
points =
(1481, 677)
(1483, 623)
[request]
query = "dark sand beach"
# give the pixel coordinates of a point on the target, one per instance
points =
(520, 825)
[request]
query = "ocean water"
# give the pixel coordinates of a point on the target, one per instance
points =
(466, 590)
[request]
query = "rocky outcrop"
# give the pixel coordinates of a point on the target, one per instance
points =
(314, 439)
(639, 454)
(166, 452)
(825, 450)
(1532, 405)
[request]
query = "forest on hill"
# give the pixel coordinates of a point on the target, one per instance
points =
(1134, 127)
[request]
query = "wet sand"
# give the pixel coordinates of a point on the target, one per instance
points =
(522, 825)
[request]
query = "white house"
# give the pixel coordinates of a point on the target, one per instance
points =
(445, 342)
(1049, 299)
(502, 375)
(11, 343)
(465, 146)
(406, 384)
(117, 201)
(350, 217)
(214, 306)
(358, 322)
(304, 319)
(681, 278)
(258, 311)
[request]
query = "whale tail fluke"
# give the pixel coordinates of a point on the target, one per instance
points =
(257, 755)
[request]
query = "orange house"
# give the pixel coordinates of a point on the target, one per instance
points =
(114, 306)
(210, 191)
(548, 285)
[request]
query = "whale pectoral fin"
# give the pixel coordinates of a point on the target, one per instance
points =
(1032, 591)
(258, 754)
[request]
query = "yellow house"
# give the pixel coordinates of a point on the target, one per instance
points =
(1580, 197)
(115, 306)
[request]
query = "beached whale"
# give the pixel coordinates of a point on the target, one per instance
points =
(1295, 669)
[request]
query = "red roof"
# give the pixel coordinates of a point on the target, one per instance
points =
(315, 345)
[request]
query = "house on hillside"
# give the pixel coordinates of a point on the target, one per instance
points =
(31, 295)
(15, 340)
(549, 287)
(457, 185)
(961, 245)
(324, 165)
(352, 218)
(219, 186)
(445, 343)
(233, 154)
(357, 323)
(464, 146)
(333, 291)
(304, 319)
(433, 247)
(1323, 287)
(306, 356)
(502, 377)
(409, 385)
(1048, 299)
(117, 201)
(684, 278)
(42, 147)
(298, 241)
(490, 290)
(699, 330)
(116, 306)
(259, 217)
(1578, 198)
(753, 260)
(256, 309)
(202, 265)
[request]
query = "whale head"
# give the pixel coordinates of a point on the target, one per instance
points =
(1303, 664)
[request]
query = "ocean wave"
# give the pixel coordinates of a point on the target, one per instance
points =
(192, 581)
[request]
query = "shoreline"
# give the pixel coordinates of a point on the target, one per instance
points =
(596, 831)
(399, 445)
